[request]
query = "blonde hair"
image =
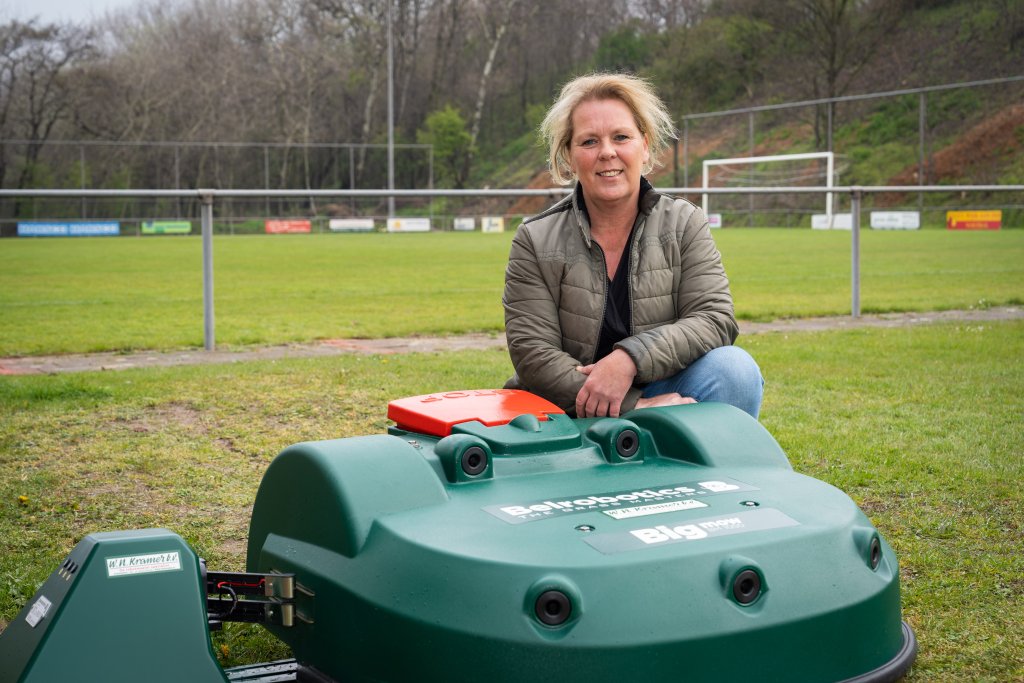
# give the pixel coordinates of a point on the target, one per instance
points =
(649, 112)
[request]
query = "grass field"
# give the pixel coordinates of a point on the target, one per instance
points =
(921, 426)
(99, 294)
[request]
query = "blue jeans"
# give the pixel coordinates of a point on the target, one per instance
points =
(727, 374)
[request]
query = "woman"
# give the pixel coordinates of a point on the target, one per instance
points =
(615, 297)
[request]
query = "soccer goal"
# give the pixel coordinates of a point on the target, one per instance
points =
(753, 172)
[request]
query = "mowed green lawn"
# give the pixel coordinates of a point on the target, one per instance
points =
(69, 295)
(921, 426)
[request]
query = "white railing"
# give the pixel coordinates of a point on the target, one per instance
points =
(207, 197)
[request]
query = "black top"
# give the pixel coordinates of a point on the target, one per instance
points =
(617, 314)
(618, 317)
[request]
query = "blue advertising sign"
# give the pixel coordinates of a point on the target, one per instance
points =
(69, 229)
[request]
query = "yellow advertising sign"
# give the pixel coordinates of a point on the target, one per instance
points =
(974, 220)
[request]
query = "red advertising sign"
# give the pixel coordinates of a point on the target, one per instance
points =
(974, 220)
(277, 227)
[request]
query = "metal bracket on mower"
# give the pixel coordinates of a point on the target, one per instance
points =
(250, 597)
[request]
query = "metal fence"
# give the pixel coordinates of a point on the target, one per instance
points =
(774, 116)
(349, 166)
(829, 104)
(179, 165)
(208, 197)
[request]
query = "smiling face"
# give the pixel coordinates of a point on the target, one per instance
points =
(607, 152)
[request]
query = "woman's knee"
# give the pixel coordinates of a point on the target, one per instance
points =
(733, 377)
(734, 365)
(727, 374)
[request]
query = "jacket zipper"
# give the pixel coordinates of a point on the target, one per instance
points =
(629, 280)
(604, 302)
(633, 238)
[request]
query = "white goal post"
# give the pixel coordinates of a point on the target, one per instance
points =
(829, 172)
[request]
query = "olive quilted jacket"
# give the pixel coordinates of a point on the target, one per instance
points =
(555, 287)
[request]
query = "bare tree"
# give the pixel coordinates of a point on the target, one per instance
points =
(839, 39)
(34, 93)
(449, 37)
(493, 31)
(1012, 13)
(670, 14)
(190, 72)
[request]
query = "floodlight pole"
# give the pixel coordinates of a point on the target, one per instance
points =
(391, 118)
(206, 215)
(855, 197)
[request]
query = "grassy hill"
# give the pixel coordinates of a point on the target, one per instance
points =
(971, 135)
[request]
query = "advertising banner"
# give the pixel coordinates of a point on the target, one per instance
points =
(278, 227)
(69, 229)
(895, 220)
(350, 224)
(492, 224)
(974, 220)
(166, 227)
(408, 225)
(464, 224)
(840, 221)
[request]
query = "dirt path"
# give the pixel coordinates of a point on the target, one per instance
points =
(32, 365)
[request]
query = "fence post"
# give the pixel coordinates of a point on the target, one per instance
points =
(206, 198)
(81, 173)
(922, 120)
(686, 152)
(750, 199)
(855, 197)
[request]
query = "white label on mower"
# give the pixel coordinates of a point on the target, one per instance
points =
(656, 509)
(693, 530)
(608, 501)
(38, 611)
(133, 565)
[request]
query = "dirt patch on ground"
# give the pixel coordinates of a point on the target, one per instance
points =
(34, 365)
(157, 418)
(977, 154)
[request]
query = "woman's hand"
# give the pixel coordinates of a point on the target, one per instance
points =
(672, 399)
(606, 385)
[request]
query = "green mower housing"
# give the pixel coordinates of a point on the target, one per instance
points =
(490, 537)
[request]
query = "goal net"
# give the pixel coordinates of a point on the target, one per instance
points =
(813, 169)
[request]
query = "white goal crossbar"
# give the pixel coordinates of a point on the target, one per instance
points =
(829, 172)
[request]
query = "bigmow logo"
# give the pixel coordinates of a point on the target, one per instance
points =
(695, 530)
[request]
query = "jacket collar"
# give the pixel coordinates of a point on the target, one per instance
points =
(648, 199)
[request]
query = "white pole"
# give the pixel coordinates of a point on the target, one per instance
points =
(830, 170)
(704, 184)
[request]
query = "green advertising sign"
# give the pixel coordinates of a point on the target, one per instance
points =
(166, 227)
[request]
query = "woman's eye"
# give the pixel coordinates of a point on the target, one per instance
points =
(621, 137)
(588, 142)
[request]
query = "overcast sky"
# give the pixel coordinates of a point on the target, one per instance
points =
(52, 11)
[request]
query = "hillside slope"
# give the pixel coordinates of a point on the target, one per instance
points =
(972, 135)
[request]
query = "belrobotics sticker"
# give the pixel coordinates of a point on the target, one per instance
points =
(621, 504)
